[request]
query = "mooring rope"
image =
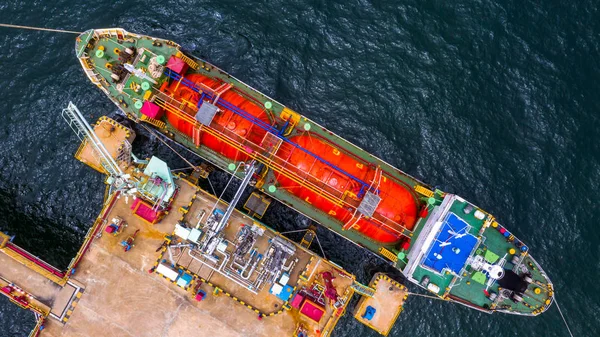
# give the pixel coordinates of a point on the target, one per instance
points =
(319, 242)
(304, 230)
(39, 28)
(172, 149)
(426, 296)
(563, 317)
(211, 185)
(296, 231)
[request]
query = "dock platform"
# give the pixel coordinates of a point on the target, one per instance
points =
(30, 287)
(115, 137)
(380, 311)
(123, 298)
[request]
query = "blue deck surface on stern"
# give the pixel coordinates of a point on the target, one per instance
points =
(452, 246)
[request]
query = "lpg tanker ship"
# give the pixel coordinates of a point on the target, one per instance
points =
(438, 240)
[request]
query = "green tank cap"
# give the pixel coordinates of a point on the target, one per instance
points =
(231, 167)
(138, 104)
(401, 256)
(307, 126)
(431, 201)
(99, 53)
(160, 59)
(268, 105)
(145, 85)
(272, 188)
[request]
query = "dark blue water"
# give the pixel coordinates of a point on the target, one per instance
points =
(497, 101)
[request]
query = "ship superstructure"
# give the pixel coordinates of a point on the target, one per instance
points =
(439, 241)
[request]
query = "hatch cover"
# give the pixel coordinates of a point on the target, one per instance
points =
(206, 113)
(369, 204)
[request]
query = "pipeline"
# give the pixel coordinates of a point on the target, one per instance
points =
(261, 124)
(37, 261)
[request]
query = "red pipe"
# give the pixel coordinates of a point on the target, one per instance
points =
(87, 246)
(35, 260)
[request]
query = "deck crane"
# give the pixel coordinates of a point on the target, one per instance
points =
(119, 180)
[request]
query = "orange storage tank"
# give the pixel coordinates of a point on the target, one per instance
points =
(226, 118)
(398, 203)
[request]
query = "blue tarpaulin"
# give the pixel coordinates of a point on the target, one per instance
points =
(452, 246)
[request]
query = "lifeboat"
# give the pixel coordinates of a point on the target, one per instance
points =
(227, 122)
(396, 211)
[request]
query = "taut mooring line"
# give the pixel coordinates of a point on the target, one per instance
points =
(39, 28)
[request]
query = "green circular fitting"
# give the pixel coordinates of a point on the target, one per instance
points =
(401, 256)
(307, 126)
(99, 53)
(145, 86)
(138, 104)
(272, 188)
(231, 167)
(268, 105)
(431, 200)
(160, 59)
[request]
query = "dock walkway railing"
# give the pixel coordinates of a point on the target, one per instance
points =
(25, 301)
(31, 261)
(91, 234)
(44, 268)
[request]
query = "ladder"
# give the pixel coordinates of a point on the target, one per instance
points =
(84, 132)
(363, 289)
(424, 191)
(193, 64)
(124, 153)
(152, 121)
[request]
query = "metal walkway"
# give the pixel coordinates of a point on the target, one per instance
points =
(363, 289)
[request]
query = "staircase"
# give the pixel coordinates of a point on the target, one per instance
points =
(124, 153)
(389, 255)
(193, 64)
(424, 191)
(155, 122)
(363, 289)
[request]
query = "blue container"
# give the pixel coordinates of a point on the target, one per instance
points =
(506, 234)
(524, 248)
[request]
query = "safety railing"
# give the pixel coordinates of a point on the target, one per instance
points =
(91, 234)
(34, 263)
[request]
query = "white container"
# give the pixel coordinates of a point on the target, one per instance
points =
(433, 288)
(276, 289)
(479, 215)
(167, 272)
(182, 232)
(222, 246)
(284, 279)
(194, 235)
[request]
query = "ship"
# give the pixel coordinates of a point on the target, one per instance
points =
(439, 241)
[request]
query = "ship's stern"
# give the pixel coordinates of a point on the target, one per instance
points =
(463, 254)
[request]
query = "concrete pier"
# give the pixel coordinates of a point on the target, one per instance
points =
(34, 290)
(112, 291)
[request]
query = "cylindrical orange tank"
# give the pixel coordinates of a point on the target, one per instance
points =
(226, 118)
(398, 203)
